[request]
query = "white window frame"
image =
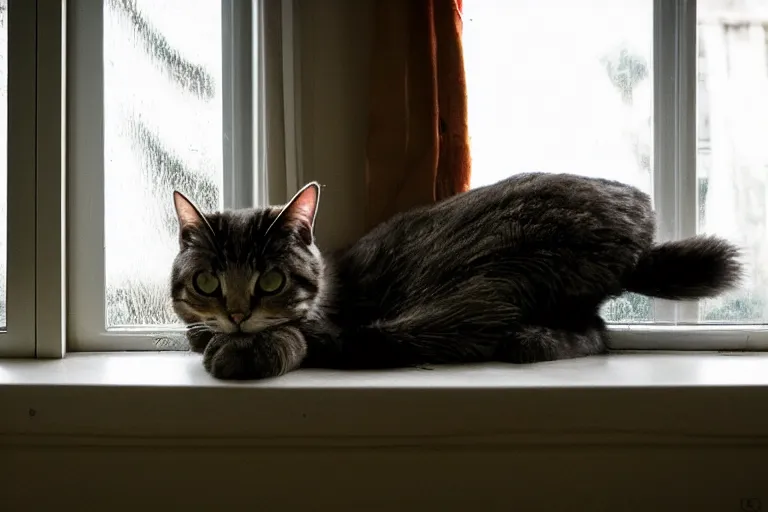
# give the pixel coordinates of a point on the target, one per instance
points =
(262, 50)
(19, 338)
(50, 233)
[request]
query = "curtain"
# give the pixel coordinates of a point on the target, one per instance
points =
(418, 143)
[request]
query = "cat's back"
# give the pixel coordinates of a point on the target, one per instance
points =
(439, 243)
(547, 190)
(531, 198)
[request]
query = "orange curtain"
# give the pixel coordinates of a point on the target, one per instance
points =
(418, 143)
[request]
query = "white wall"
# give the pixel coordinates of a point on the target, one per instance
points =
(335, 47)
(468, 478)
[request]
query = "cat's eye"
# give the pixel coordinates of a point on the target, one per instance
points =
(206, 283)
(271, 282)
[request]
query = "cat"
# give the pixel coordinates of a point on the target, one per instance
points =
(515, 271)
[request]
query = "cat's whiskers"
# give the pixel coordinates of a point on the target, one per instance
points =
(205, 326)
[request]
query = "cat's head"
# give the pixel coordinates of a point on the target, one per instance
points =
(246, 270)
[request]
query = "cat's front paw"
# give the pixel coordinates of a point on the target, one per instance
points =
(198, 339)
(246, 357)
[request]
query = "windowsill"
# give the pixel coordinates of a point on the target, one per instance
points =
(119, 398)
(629, 369)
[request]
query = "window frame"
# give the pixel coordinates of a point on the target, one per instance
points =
(19, 338)
(274, 57)
(50, 232)
(251, 120)
(675, 75)
(674, 135)
(241, 188)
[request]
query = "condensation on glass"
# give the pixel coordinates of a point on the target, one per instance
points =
(162, 131)
(3, 158)
(563, 86)
(732, 156)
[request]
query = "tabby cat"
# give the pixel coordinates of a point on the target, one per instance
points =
(515, 271)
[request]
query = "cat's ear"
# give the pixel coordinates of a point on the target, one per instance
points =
(300, 212)
(186, 211)
(189, 217)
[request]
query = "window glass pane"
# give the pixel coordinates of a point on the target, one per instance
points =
(3, 157)
(732, 159)
(162, 131)
(562, 86)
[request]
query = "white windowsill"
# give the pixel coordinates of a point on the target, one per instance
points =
(167, 398)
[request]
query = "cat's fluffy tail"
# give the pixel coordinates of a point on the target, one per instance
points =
(693, 268)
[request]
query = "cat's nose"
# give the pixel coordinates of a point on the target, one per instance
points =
(237, 318)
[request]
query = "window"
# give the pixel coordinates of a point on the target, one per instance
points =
(198, 95)
(671, 97)
(173, 82)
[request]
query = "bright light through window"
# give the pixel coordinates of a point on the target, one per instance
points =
(562, 86)
(162, 131)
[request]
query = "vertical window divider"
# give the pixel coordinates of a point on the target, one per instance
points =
(291, 98)
(50, 262)
(258, 104)
(85, 156)
(674, 172)
(685, 170)
(240, 173)
(19, 338)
